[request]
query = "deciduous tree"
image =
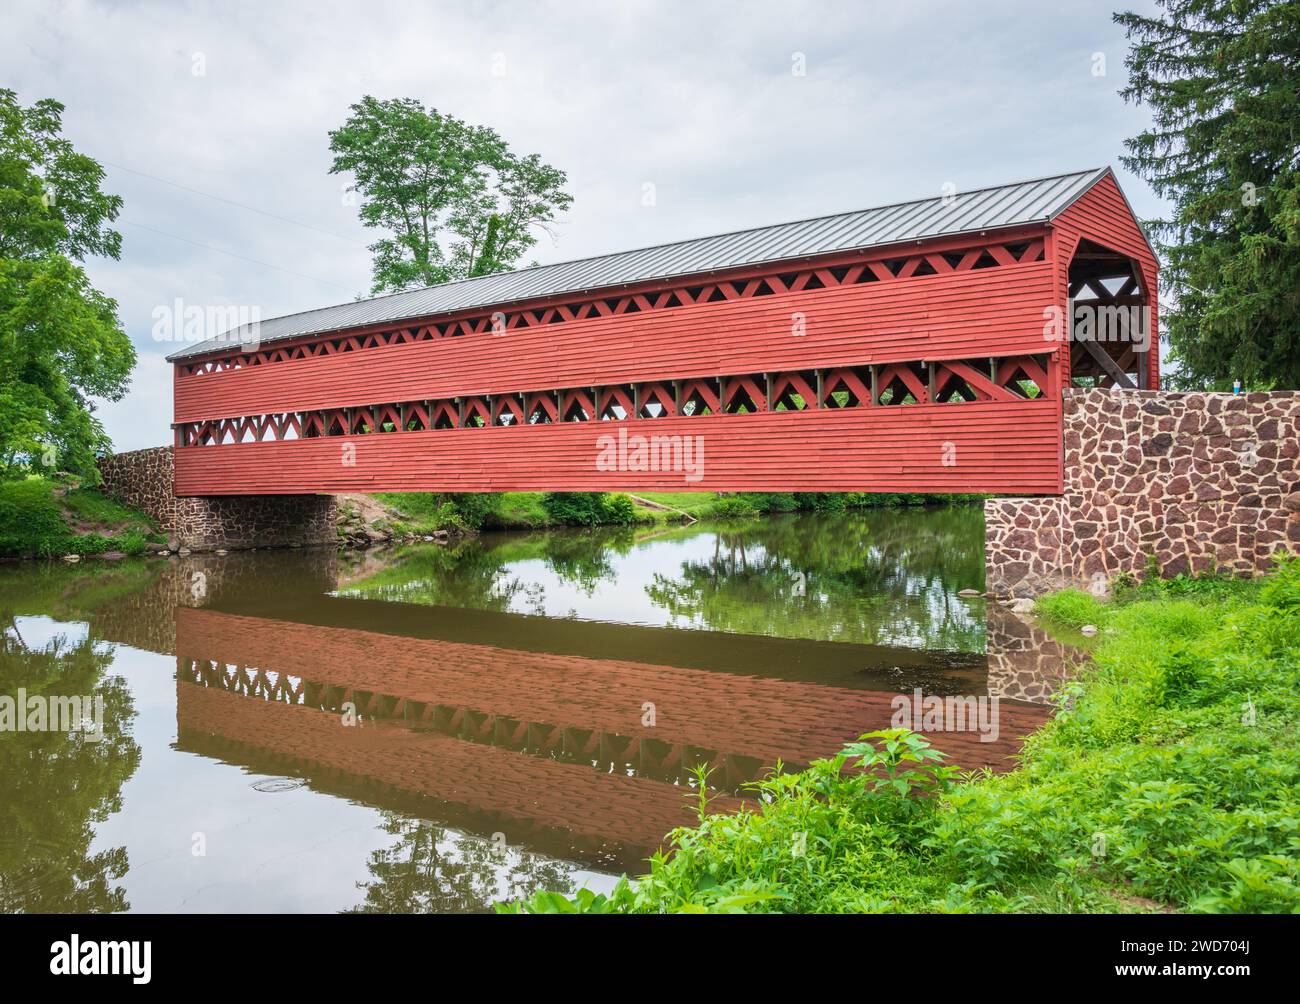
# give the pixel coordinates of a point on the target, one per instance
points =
(61, 344)
(456, 201)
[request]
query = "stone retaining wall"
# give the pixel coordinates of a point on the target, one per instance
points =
(1199, 482)
(142, 479)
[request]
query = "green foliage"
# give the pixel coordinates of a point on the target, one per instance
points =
(30, 521)
(1281, 591)
(1219, 77)
(1207, 586)
(61, 344)
(50, 198)
(829, 502)
(620, 510)
(732, 507)
(96, 507)
(1070, 608)
(1170, 777)
(33, 524)
(454, 197)
(588, 508)
(472, 507)
(425, 512)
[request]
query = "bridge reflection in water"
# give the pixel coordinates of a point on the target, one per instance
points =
(548, 742)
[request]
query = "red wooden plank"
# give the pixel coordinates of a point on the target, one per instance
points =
(994, 446)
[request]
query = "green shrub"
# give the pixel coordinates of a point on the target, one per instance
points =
(31, 523)
(425, 512)
(575, 508)
(732, 507)
(620, 509)
(473, 508)
(1070, 608)
(1282, 589)
(1169, 778)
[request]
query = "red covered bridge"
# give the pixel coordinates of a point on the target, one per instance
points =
(920, 346)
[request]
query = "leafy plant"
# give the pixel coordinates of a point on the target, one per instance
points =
(1170, 775)
(61, 343)
(454, 199)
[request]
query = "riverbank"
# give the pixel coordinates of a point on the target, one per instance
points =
(423, 513)
(1166, 782)
(45, 518)
(51, 518)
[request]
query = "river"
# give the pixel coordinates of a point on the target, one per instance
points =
(433, 728)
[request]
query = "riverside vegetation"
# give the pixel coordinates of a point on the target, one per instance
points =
(43, 517)
(1168, 780)
(424, 512)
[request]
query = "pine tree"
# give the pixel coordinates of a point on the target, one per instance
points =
(1221, 79)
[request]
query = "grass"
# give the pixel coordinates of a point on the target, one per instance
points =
(38, 522)
(519, 511)
(422, 513)
(1169, 780)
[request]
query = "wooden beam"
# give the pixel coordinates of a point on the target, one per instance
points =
(1108, 365)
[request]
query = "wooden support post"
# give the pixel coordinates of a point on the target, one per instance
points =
(1102, 358)
(875, 390)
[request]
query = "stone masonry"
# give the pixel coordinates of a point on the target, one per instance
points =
(1198, 482)
(142, 479)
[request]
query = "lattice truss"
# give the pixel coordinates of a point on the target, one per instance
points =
(1108, 350)
(987, 255)
(1010, 378)
(601, 749)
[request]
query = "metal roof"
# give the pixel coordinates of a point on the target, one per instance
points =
(1002, 206)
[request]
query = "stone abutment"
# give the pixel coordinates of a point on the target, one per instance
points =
(1180, 482)
(142, 479)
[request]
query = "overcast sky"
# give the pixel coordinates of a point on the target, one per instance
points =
(233, 102)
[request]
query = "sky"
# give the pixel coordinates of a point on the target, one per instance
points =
(212, 122)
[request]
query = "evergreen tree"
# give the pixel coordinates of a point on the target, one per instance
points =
(1221, 77)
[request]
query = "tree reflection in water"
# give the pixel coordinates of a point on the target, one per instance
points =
(54, 786)
(431, 869)
(884, 577)
(887, 576)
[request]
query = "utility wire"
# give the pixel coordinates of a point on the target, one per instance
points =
(232, 202)
(232, 254)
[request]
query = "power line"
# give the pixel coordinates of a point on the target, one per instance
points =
(232, 202)
(232, 254)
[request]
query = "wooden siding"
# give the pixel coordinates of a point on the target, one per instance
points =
(971, 314)
(1102, 215)
(968, 447)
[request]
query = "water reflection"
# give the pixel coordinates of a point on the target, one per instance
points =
(515, 712)
(55, 786)
(887, 577)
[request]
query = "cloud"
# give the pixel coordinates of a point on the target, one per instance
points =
(699, 99)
